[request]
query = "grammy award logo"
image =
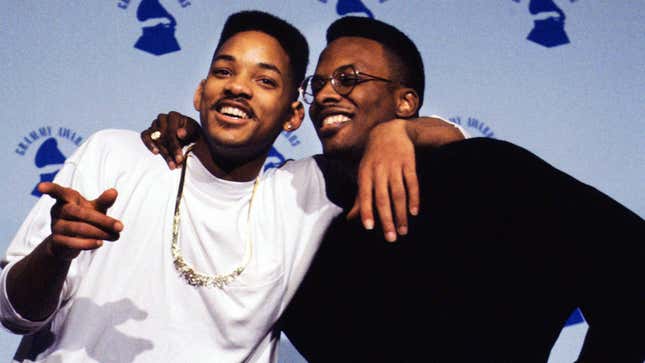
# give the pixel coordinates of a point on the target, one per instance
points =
(158, 26)
(353, 7)
(275, 159)
(158, 36)
(48, 154)
(43, 146)
(548, 32)
(473, 126)
(548, 24)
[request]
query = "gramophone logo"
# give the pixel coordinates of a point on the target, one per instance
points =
(474, 126)
(276, 158)
(352, 7)
(548, 24)
(47, 148)
(157, 26)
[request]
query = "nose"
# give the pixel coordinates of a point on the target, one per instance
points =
(238, 86)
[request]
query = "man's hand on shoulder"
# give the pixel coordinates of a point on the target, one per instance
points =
(387, 175)
(386, 179)
(168, 134)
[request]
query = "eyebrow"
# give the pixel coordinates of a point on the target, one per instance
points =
(264, 65)
(270, 66)
(225, 57)
(337, 68)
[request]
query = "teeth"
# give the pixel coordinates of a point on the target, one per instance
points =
(335, 119)
(233, 111)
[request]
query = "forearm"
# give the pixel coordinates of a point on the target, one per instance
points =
(432, 131)
(34, 284)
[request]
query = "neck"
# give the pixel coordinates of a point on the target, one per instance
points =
(238, 169)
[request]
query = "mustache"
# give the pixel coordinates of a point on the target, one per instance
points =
(232, 101)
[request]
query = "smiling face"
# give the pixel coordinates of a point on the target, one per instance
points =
(247, 98)
(343, 122)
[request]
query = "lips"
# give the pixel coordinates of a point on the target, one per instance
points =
(233, 112)
(329, 121)
(334, 120)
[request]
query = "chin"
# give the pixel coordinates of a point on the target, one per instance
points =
(229, 136)
(335, 149)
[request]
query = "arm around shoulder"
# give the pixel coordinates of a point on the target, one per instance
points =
(432, 131)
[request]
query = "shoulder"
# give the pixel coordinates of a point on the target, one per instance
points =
(113, 144)
(115, 141)
(302, 179)
(111, 154)
(489, 167)
(478, 154)
(481, 146)
(299, 173)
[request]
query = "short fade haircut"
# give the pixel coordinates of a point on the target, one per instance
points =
(290, 38)
(407, 57)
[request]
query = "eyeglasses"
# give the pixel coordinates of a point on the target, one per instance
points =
(343, 80)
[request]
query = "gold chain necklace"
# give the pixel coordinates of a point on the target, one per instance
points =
(195, 278)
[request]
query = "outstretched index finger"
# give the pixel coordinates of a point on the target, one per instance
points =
(58, 192)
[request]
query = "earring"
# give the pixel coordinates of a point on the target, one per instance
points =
(289, 126)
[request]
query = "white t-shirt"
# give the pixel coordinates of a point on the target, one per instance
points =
(125, 302)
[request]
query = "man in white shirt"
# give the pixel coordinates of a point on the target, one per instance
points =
(204, 263)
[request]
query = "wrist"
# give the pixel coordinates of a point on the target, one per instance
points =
(58, 252)
(392, 127)
(411, 130)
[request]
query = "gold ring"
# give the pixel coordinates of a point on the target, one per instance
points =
(155, 135)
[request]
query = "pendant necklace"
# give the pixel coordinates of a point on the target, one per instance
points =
(187, 272)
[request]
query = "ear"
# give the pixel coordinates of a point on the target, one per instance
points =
(297, 114)
(407, 103)
(197, 98)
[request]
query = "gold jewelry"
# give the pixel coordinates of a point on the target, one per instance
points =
(195, 278)
(155, 135)
(289, 126)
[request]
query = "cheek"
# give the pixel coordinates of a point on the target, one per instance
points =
(378, 109)
(208, 95)
(271, 108)
(370, 118)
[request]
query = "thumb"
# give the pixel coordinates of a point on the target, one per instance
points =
(190, 131)
(354, 212)
(105, 200)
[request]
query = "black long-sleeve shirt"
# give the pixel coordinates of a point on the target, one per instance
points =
(504, 249)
